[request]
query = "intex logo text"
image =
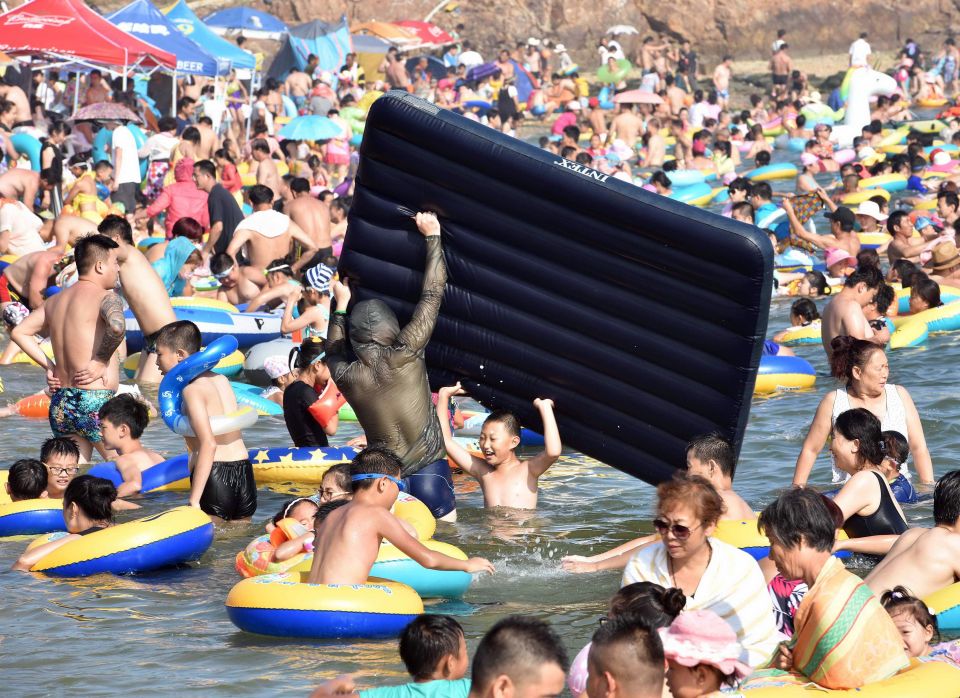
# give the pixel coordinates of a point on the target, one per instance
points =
(581, 169)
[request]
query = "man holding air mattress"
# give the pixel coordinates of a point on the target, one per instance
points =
(387, 383)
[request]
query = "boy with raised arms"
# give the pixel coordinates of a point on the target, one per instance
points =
(221, 476)
(506, 481)
(122, 422)
(347, 543)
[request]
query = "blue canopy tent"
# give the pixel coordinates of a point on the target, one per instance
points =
(247, 22)
(198, 32)
(328, 42)
(146, 22)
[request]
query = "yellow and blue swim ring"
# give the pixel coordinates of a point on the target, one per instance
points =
(285, 605)
(31, 517)
(778, 373)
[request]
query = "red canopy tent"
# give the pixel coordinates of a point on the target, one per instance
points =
(69, 31)
(430, 35)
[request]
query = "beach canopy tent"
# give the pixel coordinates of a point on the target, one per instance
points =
(199, 33)
(370, 51)
(146, 22)
(69, 32)
(247, 22)
(430, 35)
(401, 37)
(328, 42)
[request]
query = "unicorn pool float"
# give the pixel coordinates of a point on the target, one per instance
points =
(863, 83)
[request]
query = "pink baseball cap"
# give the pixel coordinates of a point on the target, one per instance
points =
(703, 637)
(836, 255)
(808, 159)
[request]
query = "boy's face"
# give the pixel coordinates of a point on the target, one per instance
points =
(61, 469)
(167, 358)
(112, 434)
(496, 443)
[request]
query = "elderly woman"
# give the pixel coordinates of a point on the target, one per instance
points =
(712, 574)
(863, 645)
(863, 365)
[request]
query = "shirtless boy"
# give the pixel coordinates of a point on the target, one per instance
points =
(122, 421)
(841, 235)
(348, 541)
(26, 279)
(506, 481)
(721, 80)
(221, 476)
(925, 560)
(144, 291)
(236, 283)
(68, 229)
(267, 174)
(312, 216)
(844, 313)
(269, 234)
(85, 324)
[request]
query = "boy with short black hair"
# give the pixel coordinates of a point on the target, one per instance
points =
(122, 422)
(61, 457)
(221, 476)
(626, 659)
(347, 543)
(26, 479)
(712, 457)
(506, 481)
(519, 656)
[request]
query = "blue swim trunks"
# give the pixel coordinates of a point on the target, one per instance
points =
(433, 485)
(770, 348)
(77, 411)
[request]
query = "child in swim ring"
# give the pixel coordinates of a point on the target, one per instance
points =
(917, 625)
(302, 510)
(86, 509)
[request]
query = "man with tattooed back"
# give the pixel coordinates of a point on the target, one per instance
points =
(85, 324)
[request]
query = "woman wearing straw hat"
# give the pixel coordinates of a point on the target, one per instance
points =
(945, 263)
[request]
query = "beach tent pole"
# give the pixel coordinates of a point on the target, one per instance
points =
(173, 101)
(76, 91)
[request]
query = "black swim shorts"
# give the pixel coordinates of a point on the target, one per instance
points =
(779, 79)
(231, 491)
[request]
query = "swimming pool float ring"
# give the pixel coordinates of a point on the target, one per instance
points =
(31, 517)
(694, 195)
(249, 396)
(744, 534)
(169, 538)
(932, 102)
(686, 178)
(948, 294)
(855, 198)
(22, 358)
(891, 182)
(170, 396)
(606, 75)
(228, 366)
(924, 125)
(289, 107)
(302, 465)
(28, 145)
(894, 137)
(871, 241)
(930, 679)
(202, 302)
(247, 328)
(769, 173)
(940, 145)
(285, 605)
(844, 155)
(783, 373)
(807, 334)
(797, 144)
(913, 330)
(945, 604)
(149, 242)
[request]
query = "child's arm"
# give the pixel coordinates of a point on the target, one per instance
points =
(196, 410)
(551, 439)
(123, 505)
(342, 686)
(32, 557)
(132, 480)
(627, 547)
(389, 527)
(289, 548)
(289, 323)
(466, 462)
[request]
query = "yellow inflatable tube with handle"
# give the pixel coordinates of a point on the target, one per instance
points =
(919, 680)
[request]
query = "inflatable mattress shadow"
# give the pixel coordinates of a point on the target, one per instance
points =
(643, 318)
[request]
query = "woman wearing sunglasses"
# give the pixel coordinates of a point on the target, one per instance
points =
(713, 575)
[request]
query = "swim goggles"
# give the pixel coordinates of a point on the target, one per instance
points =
(376, 476)
(224, 274)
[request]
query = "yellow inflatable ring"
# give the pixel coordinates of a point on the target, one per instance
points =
(284, 605)
(415, 513)
(202, 302)
(946, 605)
(927, 679)
(808, 334)
(169, 538)
(745, 534)
(31, 517)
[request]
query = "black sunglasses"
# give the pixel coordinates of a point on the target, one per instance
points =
(679, 531)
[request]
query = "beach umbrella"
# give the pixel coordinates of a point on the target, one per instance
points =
(637, 97)
(252, 23)
(484, 70)
(604, 74)
(429, 34)
(311, 128)
(622, 29)
(435, 67)
(105, 111)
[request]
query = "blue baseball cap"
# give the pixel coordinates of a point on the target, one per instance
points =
(922, 223)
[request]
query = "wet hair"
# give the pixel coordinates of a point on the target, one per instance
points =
(93, 495)
(849, 353)
(893, 222)
(126, 410)
(895, 447)
(290, 504)
(899, 599)
(871, 276)
(862, 425)
(341, 475)
(219, 263)
(376, 460)
(868, 258)
(27, 478)
(630, 649)
(884, 298)
(426, 641)
(59, 446)
(192, 134)
(743, 208)
(519, 648)
(650, 601)
(114, 226)
(326, 508)
(762, 159)
(928, 290)
(299, 185)
(905, 270)
(567, 152)
(206, 167)
(946, 499)
(805, 309)
(187, 227)
(714, 446)
(92, 249)
(261, 145)
(762, 190)
(304, 355)
(660, 178)
(694, 492)
(507, 419)
(800, 515)
(181, 335)
(260, 194)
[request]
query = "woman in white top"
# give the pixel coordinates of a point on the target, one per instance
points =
(863, 365)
